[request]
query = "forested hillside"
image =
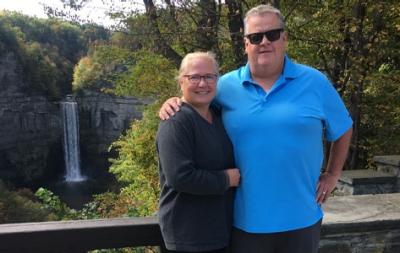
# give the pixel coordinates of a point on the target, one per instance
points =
(48, 49)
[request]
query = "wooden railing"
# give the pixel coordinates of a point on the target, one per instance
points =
(80, 236)
(363, 223)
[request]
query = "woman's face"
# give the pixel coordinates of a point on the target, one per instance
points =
(198, 84)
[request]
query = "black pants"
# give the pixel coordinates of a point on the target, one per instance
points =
(305, 240)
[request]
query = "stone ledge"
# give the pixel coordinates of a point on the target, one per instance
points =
(359, 182)
(356, 177)
(393, 160)
(361, 213)
(362, 223)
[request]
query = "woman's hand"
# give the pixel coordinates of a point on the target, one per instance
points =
(234, 177)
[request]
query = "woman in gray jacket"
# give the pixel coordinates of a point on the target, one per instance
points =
(196, 165)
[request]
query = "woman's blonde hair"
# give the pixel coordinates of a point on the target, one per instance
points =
(190, 56)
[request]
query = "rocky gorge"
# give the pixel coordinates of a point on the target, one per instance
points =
(31, 128)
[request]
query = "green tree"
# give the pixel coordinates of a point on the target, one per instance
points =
(48, 49)
(137, 163)
(354, 43)
(21, 206)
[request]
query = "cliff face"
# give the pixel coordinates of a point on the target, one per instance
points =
(31, 128)
(102, 119)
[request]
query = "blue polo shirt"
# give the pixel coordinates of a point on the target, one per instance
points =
(278, 143)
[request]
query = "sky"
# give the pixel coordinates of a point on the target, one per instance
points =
(94, 10)
(28, 7)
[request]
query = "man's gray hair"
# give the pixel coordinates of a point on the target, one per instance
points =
(260, 10)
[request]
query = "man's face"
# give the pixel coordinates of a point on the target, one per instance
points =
(267, 54)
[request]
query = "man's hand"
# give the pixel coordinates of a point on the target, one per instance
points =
(328, 180)
(167, 109)
(325, 186)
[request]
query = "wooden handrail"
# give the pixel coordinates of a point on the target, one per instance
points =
(80, 236)
(347, 222)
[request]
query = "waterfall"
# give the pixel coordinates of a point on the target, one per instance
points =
(71, 141)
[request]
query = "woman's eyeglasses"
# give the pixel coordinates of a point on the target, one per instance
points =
(272, 35)
(195, 79)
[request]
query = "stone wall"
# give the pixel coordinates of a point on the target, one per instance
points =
(390, 164)
(368, 221)
(385, 179)
(361, 224)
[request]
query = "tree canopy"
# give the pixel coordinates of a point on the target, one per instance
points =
(48, 49)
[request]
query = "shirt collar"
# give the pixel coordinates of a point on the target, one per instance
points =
(289, 71)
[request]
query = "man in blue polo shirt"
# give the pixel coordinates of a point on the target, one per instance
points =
(277, 113)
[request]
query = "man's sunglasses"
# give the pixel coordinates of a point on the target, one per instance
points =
(272, 35)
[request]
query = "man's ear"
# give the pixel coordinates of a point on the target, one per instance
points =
(285, 36)
(245, 41)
